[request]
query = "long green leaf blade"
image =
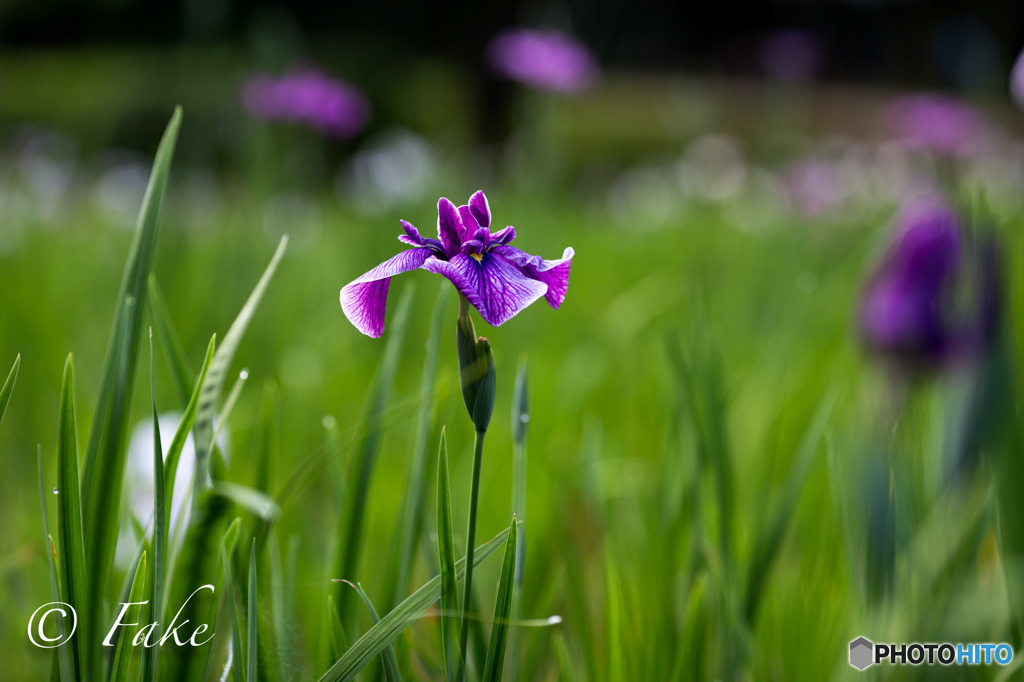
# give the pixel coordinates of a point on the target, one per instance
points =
(381, 635)
(520, 428)
(446, 559)
(72, 542)
(136, 598)
(149, 655)
(174, 349)
(63, 652)
(391, 672)
(216, 375)
(253, 620)
(105, 453)
(5, 392)
(502, 610)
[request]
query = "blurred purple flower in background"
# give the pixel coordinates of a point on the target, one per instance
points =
(792, 55)
(939, 124)
(933, 299)
(545, 59)
(814, 187)
(307, 96)
(1017, 81)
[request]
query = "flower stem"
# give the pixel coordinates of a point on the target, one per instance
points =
(478, 450)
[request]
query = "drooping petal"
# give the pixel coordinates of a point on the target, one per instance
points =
(504, 236)
(363, 300)
(412, 235)
(479, 208)
(553, 273)
(449, 226)
(494, 286)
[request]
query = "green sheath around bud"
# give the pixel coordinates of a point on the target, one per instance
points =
(476, 373)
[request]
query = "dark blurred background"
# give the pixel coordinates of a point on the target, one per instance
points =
(108, 71)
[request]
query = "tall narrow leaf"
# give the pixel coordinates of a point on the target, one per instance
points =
(105, 453)
(5, 392)
(252, 616)
(520, 428)
(213, 382)
(134, 605)
(150, 655)
(63, 653)
(391, 673)
(174, 349)
(72, 543)
(446, 556)
(502, 610)
(381, 635)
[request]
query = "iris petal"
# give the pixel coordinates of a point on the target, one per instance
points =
(479, 208)
(364, 299)
(494, 286)
(449, 226)
(553, 273)
(469, 223)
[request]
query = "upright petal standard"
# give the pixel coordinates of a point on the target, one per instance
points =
(497, 279)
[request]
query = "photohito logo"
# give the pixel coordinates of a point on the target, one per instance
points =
(865, 653)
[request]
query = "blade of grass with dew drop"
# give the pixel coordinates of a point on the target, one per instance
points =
(123, 653)
(63, 653)
(227, 549)
(346, 563)
(69, 507)
(520, 429)
(391, 672)
(381, 635)
(5, 392)
(446, 559)
(768, 542)
(105, 453)
(174, 349)
(252, 640)
(216, 375)
(259, 503)
(502, 610)
(151, 654)
(411, 516)
(185, 427)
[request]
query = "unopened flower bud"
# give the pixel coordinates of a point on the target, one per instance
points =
(476, 373)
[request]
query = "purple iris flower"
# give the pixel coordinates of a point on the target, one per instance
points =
(497, 279)
(939, 124)
(544, 59)
(331, 106)
(1017, 81)
(913, 308)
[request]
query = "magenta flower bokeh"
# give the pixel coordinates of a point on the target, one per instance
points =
(308, 97)
(934, 298)
(497, 279)
(939, 124)
(545, 59)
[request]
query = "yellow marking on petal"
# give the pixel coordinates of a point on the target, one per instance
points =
(479, 257)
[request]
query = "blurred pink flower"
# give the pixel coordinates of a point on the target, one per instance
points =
(544, 59)
(308, 96)
(943, 125)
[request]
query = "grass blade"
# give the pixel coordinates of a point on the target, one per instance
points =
(391, 672)
(502, 610)
(185, 427)
(252, 639)
(69, 507)
(174, 349)
(213, 382)
(150, 655)
(105, 452)
(520, 428)
(446, 556)
(5, 392)
(381, 635)
(412, 511)
(63, 652)
(133, 610)
(259, 503)
(346, 563)
(229, 599)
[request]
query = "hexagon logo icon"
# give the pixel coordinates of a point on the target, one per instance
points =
(861, 653)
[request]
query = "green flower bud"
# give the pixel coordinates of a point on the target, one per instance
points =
(476, 373)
